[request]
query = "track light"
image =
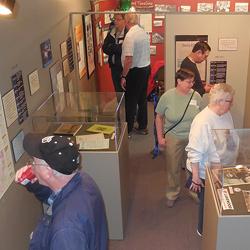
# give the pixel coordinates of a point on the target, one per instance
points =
(6, 7)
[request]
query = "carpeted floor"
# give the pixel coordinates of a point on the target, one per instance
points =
(151, 225)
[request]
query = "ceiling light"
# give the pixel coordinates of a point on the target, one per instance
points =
(6, 7)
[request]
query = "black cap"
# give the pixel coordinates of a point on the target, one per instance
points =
(59, 152)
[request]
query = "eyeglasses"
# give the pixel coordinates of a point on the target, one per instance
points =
(34, 164)
(229, 101)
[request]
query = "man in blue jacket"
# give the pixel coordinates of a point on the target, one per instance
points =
(75, 218)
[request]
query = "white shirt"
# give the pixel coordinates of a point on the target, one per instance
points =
(201, 147)
(136, 44)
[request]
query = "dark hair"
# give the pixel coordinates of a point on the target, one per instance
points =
(183, 74)
(202, 46)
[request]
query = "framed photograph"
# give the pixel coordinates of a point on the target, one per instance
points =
(241, 7)
(17, 145)
(46, 53)
(205, 7)
(63, 49)
(89, 44)
(153, 50)
(157, 37)
(33, 82)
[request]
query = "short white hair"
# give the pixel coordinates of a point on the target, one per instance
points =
(220, 92)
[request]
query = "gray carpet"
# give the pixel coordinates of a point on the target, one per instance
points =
(151, 225)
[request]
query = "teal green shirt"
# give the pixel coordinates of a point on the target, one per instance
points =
(172, 106)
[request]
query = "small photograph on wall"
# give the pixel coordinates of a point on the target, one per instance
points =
(185, 8)
(241, 7)
(89, 44)
(157, 37)
(205, 7)
(153, 50)
(222, 6)
(46, 53)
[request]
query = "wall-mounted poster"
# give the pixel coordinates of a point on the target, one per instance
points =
(17, 83)
(17, 145)
(88, 34)
(218, 71)
(46, 53)
(70, 54)
(183, 47)
(10, 108)
(33, 82)
(80, 51)
(7, 172)
(185, 8)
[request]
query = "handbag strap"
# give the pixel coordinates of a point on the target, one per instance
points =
(182, 115)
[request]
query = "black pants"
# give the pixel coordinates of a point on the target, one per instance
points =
(116, 77)
(136, 94)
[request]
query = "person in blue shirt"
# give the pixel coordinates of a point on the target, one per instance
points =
(75, 218)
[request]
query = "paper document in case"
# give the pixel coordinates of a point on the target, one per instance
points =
(98, 128)
(68, 129)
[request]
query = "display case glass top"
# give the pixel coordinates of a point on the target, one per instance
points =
(231, 178)
(90, 117)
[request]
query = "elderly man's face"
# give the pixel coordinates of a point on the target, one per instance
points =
(39, 167)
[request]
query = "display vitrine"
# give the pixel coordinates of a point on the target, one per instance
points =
(227, 193)
(96, 120)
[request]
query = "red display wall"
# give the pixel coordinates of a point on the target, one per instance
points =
(103, 72)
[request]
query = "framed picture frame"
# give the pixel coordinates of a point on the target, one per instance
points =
(89, 44)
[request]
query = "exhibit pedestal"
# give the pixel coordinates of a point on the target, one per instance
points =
(110, 170)
(222, 232)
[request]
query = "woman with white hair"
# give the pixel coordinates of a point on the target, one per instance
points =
(201, 149)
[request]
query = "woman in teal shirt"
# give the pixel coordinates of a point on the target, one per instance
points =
(170, 110)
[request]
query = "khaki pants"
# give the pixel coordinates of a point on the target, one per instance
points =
(175, 158)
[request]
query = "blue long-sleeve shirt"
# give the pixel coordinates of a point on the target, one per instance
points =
(78, 220)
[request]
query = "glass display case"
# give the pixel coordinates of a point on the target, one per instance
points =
(95, 119)
(231, 178)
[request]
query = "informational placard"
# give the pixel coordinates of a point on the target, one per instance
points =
(228, 44)
(17, 83)
(183, 47)
(56, 77)
(10, 109)
(63, 49)
(34, 82)
(80, 51)
(218, 71)
(70, 54)
(17, 145)
(7, 172)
